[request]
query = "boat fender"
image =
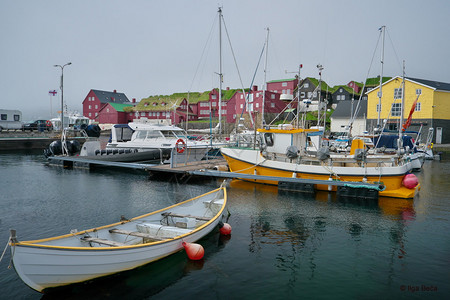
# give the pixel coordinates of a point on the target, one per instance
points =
(410, 181)
(194, 251)
(224, 228)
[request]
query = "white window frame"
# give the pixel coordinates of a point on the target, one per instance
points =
(396, 109)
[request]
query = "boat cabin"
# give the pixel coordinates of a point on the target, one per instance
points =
(285, 139)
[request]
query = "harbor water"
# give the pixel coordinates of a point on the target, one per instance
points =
(284, 245)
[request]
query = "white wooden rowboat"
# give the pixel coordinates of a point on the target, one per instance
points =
(121, 246)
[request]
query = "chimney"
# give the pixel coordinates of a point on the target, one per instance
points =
(115, 91)
(255, 88)
(133, 100)
(228, 88)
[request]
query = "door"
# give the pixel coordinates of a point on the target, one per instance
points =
(439, 135)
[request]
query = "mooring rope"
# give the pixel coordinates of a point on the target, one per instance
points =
(6, 247)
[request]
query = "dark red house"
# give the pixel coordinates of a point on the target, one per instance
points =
(283, 86)
(97, 100)
(113, 113)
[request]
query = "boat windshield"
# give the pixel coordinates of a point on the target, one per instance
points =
(149, 134)
(170, 134)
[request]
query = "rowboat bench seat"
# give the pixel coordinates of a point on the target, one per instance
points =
(147, 237)
(161, 231)
(103, 242)
(185, 221)
(215, 205)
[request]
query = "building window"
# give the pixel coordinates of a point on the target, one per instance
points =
(107, 110)
(272, 105)
(257, 105)
(340, 90)
(272, 96)
(90, 115)
(242, 106)
(284, 84)
(378, 107)
(398, 93)
(213, 97)
(96, 106)
(342, 97)
(418, 92)
(418, 106)
(283, 91)
(302, 94)
(142, 114)
(338, 97)
(396, 109)
(288, 91)
(306, 85)
(90, 106)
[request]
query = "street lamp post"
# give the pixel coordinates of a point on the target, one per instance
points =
(62, 104)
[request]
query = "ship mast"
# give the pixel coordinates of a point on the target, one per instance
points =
(263, 122)
(220, 71)
(380, 94)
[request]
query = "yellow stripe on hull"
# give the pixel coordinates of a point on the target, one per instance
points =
(393, 184)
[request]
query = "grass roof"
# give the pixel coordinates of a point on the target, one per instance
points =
(376, 81)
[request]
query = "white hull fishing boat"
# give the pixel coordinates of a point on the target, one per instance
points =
(97, 252)
(142, 135)
(283, 154)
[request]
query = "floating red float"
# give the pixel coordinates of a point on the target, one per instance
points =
(224, 228)
(410, 181)
(194, 251)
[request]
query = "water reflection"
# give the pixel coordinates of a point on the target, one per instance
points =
(296, 224)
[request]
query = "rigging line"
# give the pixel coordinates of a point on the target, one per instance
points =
(203, 52)
(232, 52)
(239, 74)
(364, 86)
(395, 52)
(251, 84)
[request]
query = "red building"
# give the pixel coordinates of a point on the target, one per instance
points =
(283, 86)
(96, 100)
(113, 113)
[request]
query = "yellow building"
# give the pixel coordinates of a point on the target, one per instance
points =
(432, 109)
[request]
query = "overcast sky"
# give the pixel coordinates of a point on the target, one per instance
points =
(144, 48)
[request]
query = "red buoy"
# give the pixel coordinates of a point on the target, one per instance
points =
(410, 181)
(194, 251)
(224, 228)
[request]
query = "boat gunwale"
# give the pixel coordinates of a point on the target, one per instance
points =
(33, 243)
(305, 172)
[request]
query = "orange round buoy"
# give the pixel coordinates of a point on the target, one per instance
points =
(224, 228)
(410, 181)
(194, 251)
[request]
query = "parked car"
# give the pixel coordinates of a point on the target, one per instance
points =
(40, 125)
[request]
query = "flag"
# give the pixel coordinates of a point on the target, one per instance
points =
(408, 121)
(53, 93)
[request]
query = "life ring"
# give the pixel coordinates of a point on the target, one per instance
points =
(48, 123)
(180, 149)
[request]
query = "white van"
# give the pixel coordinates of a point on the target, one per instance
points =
(10, 119)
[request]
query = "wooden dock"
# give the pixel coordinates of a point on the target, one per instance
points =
(213, 168)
